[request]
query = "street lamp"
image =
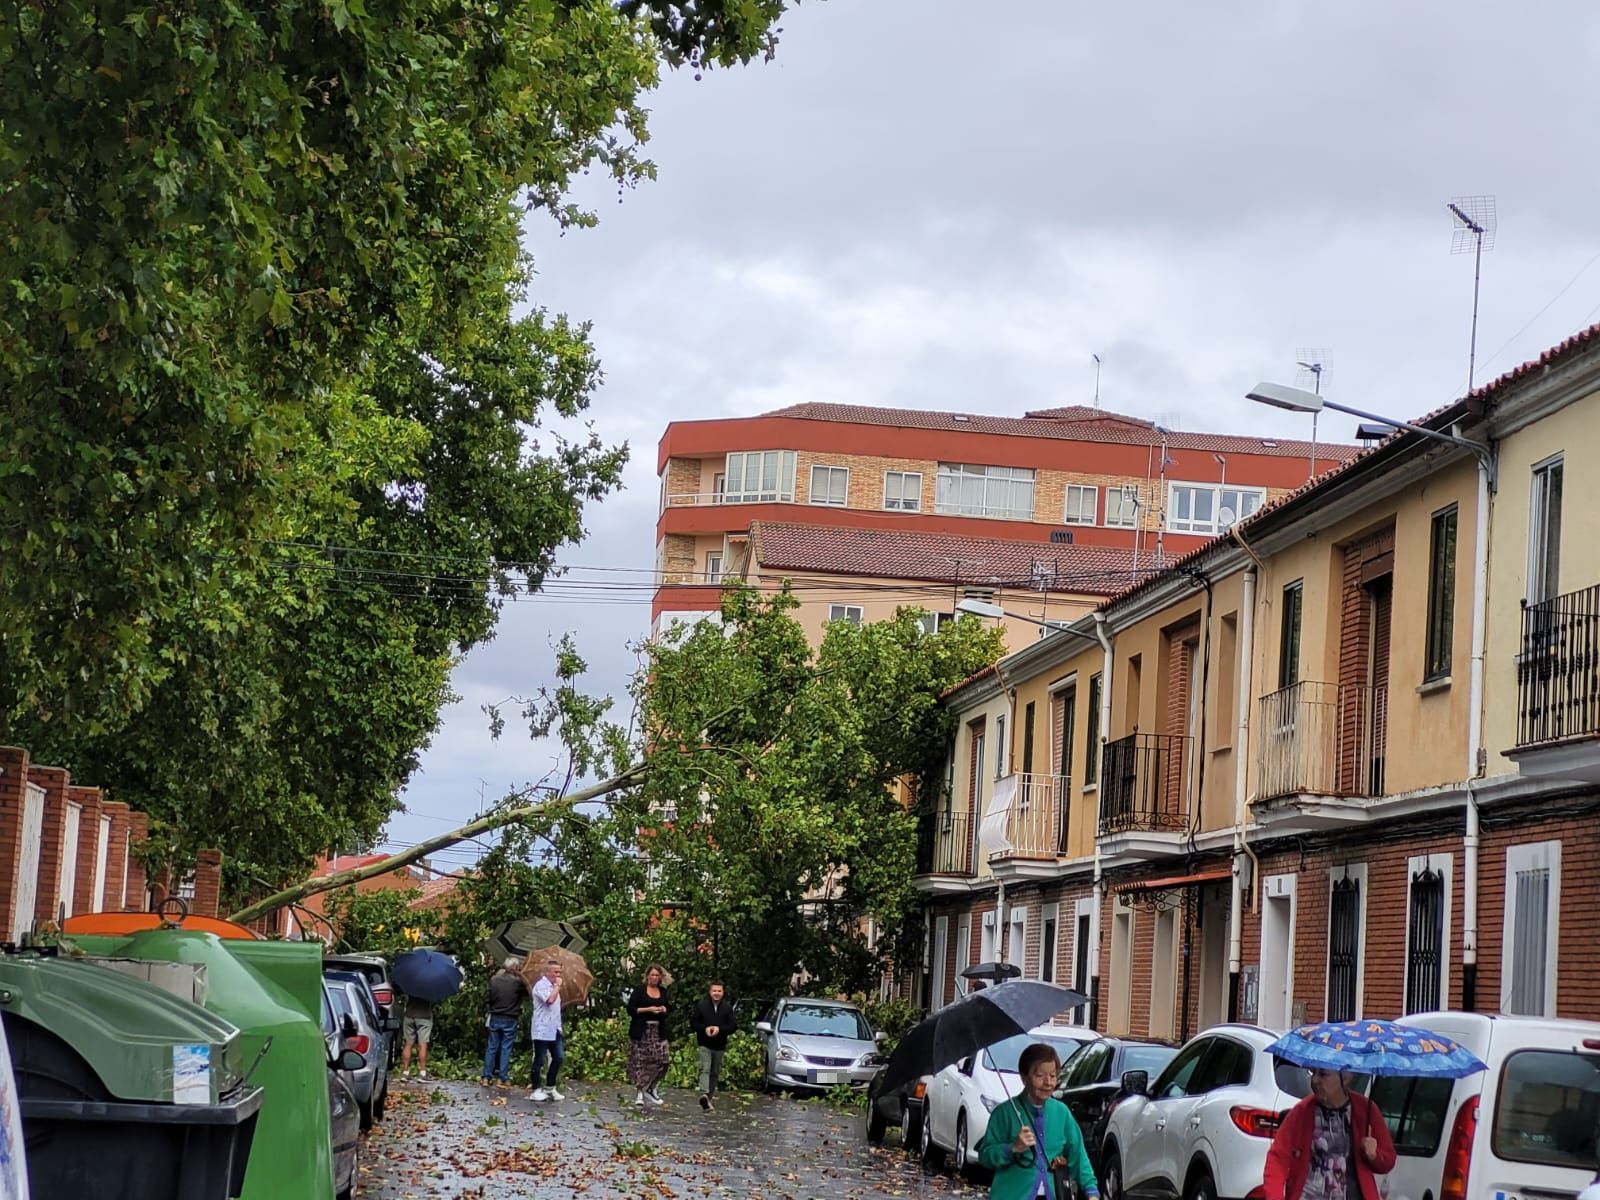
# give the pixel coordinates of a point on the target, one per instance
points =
(1295, 399)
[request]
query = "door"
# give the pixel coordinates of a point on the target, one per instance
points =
(1147, 1161)
(1201, 1125)
(102, 845)
(1276, 1001)
(941, 942)
(69, 858)
(28, 868)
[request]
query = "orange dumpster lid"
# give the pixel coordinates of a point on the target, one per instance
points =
(132, 922)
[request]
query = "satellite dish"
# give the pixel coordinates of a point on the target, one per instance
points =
(1225, 518)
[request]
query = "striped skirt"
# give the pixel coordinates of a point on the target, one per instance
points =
(647, 1059)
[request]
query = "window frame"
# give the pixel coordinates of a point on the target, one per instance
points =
(835, 615)
(1544, 534)
(1358, 873)
(1091, 750)
(778, 494)
(1212, 526)
(1440, 644)
(827, 501)
(899, 504)
(954, 476)
(714, 566)
(1443, 864)
(1521, 857)
(1289, 631)
(1080, 490)
(1129, 504)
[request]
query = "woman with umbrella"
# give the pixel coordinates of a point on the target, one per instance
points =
(647, 1035)
(1030, 1135)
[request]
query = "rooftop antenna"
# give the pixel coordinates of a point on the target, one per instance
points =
(1474, 230)
(1096, 358)
(1313, 362)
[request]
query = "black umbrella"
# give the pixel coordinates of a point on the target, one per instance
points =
(426, 975)
(974, 1023)
(994, 972)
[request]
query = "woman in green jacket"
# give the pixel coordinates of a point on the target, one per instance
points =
(1018, 1129)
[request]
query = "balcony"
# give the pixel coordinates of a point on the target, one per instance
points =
(1036, 823)
(1144, 779)
(1321, 739)
(1558, 688)
(945, 845)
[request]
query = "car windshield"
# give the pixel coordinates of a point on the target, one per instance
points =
(824, 1020)
(1548, 1108)
(1003, 1056)
(341, 1001)
(1152, 1059)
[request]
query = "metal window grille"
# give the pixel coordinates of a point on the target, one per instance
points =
(1425, 953)
(1531, 942)
(1344, 948)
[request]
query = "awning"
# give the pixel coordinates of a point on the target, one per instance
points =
(1168, 883)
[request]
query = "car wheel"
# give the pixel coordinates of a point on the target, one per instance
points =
(366, 1117)
(381, 1103)
(1111, 1175)
(911, 1127)
(932, 1154)
(1201, 1186)
(349, 1190)
(961, 1142)
(876, 1125)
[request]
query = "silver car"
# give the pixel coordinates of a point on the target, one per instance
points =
(363, 1033)
(811, 1045)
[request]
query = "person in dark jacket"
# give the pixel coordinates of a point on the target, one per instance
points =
(713, 1020)
(648, 1048)
(504, 1002)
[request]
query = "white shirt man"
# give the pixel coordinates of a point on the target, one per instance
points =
(546, 1030)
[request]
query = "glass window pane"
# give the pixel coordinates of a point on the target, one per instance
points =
(1548, 1108)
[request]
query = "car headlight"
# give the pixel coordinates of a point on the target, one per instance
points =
(989, 1103)
(870, 1059)
(787, 1053)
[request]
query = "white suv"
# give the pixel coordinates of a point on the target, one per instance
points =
(1202, 1130)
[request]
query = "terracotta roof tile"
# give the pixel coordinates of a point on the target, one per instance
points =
(1072, 424)
(903, 554)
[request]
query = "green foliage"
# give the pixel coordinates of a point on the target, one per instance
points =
(379, 921)
(279, 407)
(892, 1018)
(597, 1051)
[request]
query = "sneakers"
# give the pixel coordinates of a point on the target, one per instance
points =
(638, 1099)
(554, 1094)
(423, 1074)
(654, 1097)
(705, 1101)
(538, 1095)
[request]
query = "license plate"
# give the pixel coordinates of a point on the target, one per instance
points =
(825, 1076)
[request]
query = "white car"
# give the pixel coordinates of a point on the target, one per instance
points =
(1203, 1128)
(1526, 1127)
(955, 1111)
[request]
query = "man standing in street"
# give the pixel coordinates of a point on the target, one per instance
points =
(547, 1032)
(505, 1005)
(713, 1020)
(416, 1030)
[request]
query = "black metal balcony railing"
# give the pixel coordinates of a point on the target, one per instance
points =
(1036, 825)
(1144, 779)
(944, 844)
(1323, 739)
(1558, 671)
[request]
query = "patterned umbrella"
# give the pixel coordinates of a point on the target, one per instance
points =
(1376, 1048)
(576, 978)
(520, 938)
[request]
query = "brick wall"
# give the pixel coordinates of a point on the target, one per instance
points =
(13, 784)
(84, 899)
(683, 477)
(207, 884)
(677, 561)
(135, 894)
(47, 902)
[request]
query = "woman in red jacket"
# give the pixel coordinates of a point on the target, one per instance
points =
(1325, 1138)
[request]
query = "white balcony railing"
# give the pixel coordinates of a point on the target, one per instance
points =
(1036, 825)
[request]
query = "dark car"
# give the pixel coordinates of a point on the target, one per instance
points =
(900, 1109)
(1091, 1080)
(344, 1113)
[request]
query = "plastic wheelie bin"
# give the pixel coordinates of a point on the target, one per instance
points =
(272, 991)
(125, 1090)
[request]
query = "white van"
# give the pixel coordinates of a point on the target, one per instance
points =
(1528, 1128)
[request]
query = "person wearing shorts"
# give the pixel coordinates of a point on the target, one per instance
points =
(416, 1030)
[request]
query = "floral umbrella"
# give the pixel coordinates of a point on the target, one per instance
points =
(1376, 1048)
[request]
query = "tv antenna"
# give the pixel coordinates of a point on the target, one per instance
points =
(1313, 364)
(1096, 358)
(1474, 230)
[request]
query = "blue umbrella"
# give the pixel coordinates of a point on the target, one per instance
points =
(427, 975)
(1376, 1048)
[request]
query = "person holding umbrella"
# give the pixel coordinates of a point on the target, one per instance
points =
(1329, 1137)
(1031, 1135)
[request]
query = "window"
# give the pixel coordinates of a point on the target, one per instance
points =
(830, 485)
(1544, 533)
(1122, 507)
(1209, 507)
(1289, 634)
(1228, 1065)
(1346, 916)
(973, 491)
(845, 612)
(986, 938)
(760, 475)
(1414, 1109)
(1441, 594)
(999, 747)
(1546, 1111)
(1175, 1079)
(719, 487)
(1082, 503)
(1092, 1064)
(933, 622)
(1427, 925)
(1048, 920)
(1027, 738)
(1091, 751)
(714, 568)
(902, 490)
(1528, 947)
(1017, 937)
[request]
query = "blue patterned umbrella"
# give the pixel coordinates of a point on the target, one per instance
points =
(1376, 1048)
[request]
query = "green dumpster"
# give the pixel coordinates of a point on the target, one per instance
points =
(273, 992)
(124, 1089)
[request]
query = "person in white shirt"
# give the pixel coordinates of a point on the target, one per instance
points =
(547, 1033)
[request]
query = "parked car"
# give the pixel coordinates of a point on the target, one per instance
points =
(375, 968)
(1527, 1126)
(1202, 1130)
(1091, 1081)
(960, 1098)
(812, 1044)
(363, 1034)
(344, 1111)
(900, 1109)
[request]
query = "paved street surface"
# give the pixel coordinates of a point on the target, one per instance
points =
(459, 1140)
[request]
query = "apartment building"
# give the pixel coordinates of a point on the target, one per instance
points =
(1341, 761)
(866, 509)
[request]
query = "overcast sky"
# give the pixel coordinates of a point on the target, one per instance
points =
(924, 203)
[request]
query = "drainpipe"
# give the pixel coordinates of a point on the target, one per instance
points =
(1000, 884)
(1099, 871)
(1476, 752)
(1247, 629)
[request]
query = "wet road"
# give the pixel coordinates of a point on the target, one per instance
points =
(460, 1140)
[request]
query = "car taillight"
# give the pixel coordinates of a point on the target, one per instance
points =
(382, 995)
(1257, 1122)
(1458, 1156)
(358, 1043)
